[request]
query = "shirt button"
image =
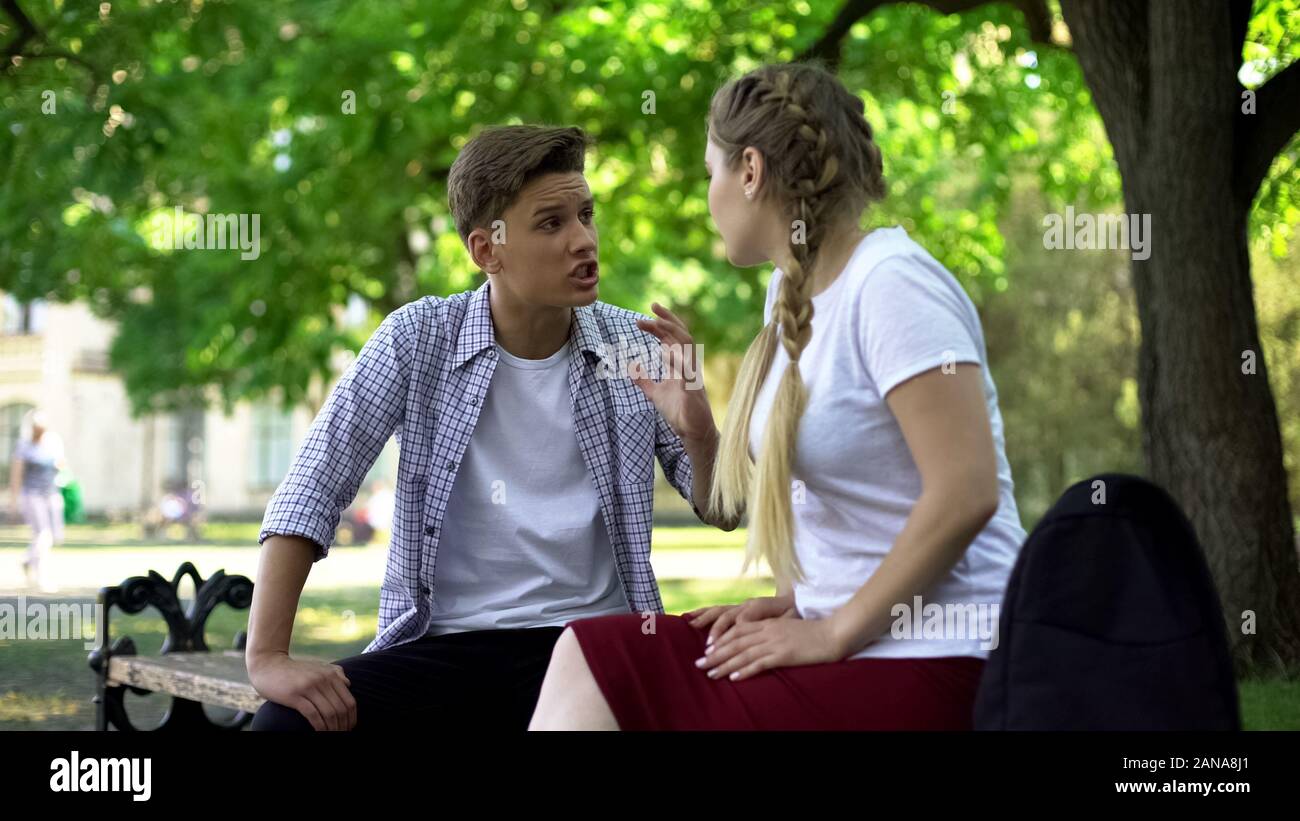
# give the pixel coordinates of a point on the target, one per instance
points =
(473, 400)
(451, 464)
(430, 530)
(424, 591)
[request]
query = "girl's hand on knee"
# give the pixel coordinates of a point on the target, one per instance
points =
(704, 616)
(752, 647)
(722, 618)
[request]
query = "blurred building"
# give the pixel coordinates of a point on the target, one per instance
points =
(55, 356)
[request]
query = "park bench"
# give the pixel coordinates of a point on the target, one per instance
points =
(186, 669)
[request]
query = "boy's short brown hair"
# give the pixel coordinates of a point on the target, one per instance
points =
(494, 166)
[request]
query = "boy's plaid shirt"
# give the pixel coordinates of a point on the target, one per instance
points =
(423, 375)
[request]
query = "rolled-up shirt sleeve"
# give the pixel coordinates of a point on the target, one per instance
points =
(362, 411)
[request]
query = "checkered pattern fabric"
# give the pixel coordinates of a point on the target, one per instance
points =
(423, 375)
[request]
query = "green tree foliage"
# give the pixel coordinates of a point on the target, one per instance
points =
(239, 108)
(226, 107)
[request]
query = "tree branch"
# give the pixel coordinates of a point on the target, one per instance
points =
(29, 32)
(1266, 132)
(827, 48)
(1038, 19)
(60, 54)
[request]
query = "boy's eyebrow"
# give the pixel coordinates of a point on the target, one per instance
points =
(560, 206)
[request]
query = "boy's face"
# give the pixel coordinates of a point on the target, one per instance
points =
(548, 257)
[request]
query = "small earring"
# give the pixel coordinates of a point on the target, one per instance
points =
(749, 193)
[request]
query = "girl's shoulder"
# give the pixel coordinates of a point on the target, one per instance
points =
(878, 246)
(886, 249)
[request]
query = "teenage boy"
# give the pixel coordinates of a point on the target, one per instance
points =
(525, 474)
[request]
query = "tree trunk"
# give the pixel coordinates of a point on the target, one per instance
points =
(1166, 87)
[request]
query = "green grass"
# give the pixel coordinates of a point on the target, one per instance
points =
(1270, 704)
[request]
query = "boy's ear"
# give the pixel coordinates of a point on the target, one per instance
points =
(482, 251)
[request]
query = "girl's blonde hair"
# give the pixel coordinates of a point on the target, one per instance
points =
(822, 165)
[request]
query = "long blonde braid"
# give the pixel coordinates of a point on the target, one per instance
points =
(803, 121)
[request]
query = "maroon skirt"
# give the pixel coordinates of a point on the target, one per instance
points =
(651, 683)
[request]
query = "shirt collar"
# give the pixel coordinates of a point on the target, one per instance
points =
(477, 334)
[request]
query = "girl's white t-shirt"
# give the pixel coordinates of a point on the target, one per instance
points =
(892, 313)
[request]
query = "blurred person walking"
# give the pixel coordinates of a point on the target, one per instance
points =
(37, 459)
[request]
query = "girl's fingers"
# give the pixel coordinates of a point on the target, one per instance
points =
(738, 631)
(665, 330)
(754, 668)
(640, 375)
(668, 353)
(718, 655)
(705, 616)
(723, 624)
(741, 659)
(647, 386)
(672, 352)
(670, 316)
(724, 650)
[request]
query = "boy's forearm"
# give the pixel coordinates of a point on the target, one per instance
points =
(282, 571)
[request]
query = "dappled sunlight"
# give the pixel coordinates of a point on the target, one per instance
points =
(325, 624)
(34, 709)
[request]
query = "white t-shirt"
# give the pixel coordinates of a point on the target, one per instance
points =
(524, 542)
(892, 313)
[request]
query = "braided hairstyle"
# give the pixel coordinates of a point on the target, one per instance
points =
(822, 168)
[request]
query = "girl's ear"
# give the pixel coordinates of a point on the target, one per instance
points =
(754, 170)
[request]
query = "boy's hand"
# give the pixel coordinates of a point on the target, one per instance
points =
(684, 406)
(318, 690)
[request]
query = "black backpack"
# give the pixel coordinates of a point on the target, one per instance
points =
(1110, 621)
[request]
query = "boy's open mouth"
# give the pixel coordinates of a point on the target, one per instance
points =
(585, 274)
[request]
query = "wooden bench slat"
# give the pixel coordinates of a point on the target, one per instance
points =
(219, 678)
